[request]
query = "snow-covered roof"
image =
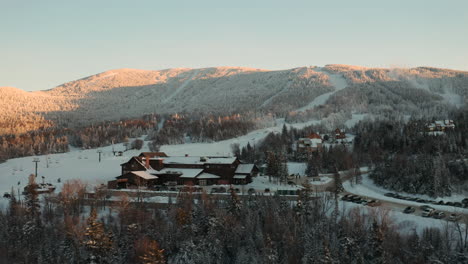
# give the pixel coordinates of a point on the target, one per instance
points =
(145, 175)
(198, 160)
(240, 176)
(244, 168)
(313, 142)
(184, 173)
(208, 176)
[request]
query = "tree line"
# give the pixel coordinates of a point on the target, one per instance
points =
(234, 229)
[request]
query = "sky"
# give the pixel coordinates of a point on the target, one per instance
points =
(46, 43)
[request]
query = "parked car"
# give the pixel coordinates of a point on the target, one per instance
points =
(427, 213)
(449, 203)
(465, 201)
(346, 197)
(438, 215)
(421, 201)
(441, 202)
(214, 190)
(457, 204)
(251, 191)
(390, 194)
(221, 190)
(267, 190)
(454, 217)
(355, 198)
(409, 210)
(361, 201)
(426, 208)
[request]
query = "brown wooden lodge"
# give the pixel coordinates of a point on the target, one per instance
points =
(151, 169)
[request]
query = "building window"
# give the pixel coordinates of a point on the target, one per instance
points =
(202, 182)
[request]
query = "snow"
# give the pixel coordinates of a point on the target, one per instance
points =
(197, 160)
(369, 189)
(181, 87)
(244, 168)
(452, 98)
(76, 164)
(145, 175)
(405, 223)
(321, 181)
(186, 173)
(355, 119)
(208, 176)
(297, 168)
(223, 148)
(336, 80)
(262, 182)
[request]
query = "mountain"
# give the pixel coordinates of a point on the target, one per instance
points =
(299, 93)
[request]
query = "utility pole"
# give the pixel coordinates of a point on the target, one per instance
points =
(36, 160)
(99, 151)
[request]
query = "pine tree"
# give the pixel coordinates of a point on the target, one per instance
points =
(338, 184)
(282, 168)
(153, 254)
(272, 168)
(32, 200)
(97, 242)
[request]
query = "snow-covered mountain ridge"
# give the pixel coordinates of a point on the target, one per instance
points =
(126, 93)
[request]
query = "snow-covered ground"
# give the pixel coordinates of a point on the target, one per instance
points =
(355, 119)
(224, 147)
(405, 223)
(297, 168)
(321, 181)
(76, 164)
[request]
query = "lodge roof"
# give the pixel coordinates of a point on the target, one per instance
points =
(145, 175)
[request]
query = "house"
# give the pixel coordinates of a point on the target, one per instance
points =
(156, 168)
(311, 143)
(440, 125)
(244, 173)
(340, 134)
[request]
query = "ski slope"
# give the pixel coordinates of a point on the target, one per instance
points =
(336, 80)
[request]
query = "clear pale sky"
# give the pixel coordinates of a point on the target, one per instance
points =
(46, 43)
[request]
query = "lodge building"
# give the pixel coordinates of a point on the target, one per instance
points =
(150, 169)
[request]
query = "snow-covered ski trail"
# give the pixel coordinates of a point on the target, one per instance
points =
(336, 80)
(181, 87)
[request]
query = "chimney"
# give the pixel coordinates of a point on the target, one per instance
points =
(147, 162)
(186, 155)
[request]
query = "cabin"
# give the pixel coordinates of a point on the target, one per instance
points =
(340, 134)
(150, 169)
(311, 143)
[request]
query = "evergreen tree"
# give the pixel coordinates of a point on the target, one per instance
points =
(153, 254)
(97, 242)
